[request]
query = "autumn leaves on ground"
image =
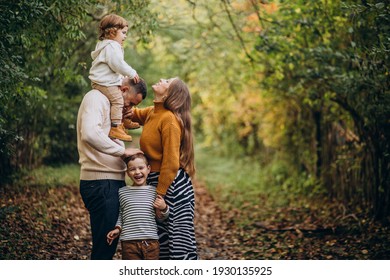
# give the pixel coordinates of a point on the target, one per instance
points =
(53, 224)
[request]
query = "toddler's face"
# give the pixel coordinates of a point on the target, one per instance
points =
(138, 171)
(121, 35)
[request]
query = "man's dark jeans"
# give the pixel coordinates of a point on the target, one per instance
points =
(101, 199)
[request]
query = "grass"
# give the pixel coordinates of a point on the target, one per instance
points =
(46, 177)
(240, 182)
(255, 190)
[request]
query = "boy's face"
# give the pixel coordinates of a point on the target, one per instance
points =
(138, 171)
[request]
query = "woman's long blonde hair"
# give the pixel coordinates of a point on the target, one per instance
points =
(179, 102)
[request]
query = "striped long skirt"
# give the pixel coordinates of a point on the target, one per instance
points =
(177, 234)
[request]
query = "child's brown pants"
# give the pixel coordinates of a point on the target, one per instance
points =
(140, 250)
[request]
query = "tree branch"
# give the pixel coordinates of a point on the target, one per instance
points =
(226, 8)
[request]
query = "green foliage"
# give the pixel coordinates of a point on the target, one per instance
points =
(299, 87)
(32, 30)
(334, 67)
(46, 58)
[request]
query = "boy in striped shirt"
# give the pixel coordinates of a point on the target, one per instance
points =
(139, 208)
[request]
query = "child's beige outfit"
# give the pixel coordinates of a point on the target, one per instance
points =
(106, 74)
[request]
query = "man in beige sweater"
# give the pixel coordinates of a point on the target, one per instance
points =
(102, 170)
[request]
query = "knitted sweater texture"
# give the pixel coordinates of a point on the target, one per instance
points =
(160, 141)
(99, 156)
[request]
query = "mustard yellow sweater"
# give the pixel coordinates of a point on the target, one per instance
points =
(160, 141)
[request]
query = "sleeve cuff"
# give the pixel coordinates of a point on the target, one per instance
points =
(166, 211)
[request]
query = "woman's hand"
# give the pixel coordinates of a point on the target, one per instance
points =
(127, 112)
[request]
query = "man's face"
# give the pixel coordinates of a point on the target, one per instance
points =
(131, 99)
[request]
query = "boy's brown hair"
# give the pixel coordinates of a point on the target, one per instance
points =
(109, 25)
(133, 157)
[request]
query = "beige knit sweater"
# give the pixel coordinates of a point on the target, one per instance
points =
(99, 156)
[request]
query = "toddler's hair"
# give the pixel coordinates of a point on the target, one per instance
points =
(109, 25)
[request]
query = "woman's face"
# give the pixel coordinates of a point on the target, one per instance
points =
(161, 88)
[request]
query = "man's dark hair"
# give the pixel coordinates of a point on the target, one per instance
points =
(139, 87)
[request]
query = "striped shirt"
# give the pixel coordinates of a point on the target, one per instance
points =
(137, 218)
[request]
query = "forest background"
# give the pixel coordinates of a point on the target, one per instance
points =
(290, 98)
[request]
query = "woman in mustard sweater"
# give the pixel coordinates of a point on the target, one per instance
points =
(167, 141)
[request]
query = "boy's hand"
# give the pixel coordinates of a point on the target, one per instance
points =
(159, 203)
(112, 235)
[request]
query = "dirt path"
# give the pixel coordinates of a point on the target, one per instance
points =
(53, 224)
(214, 234)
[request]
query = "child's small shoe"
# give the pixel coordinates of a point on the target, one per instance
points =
(129, 124)
(119, 132)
